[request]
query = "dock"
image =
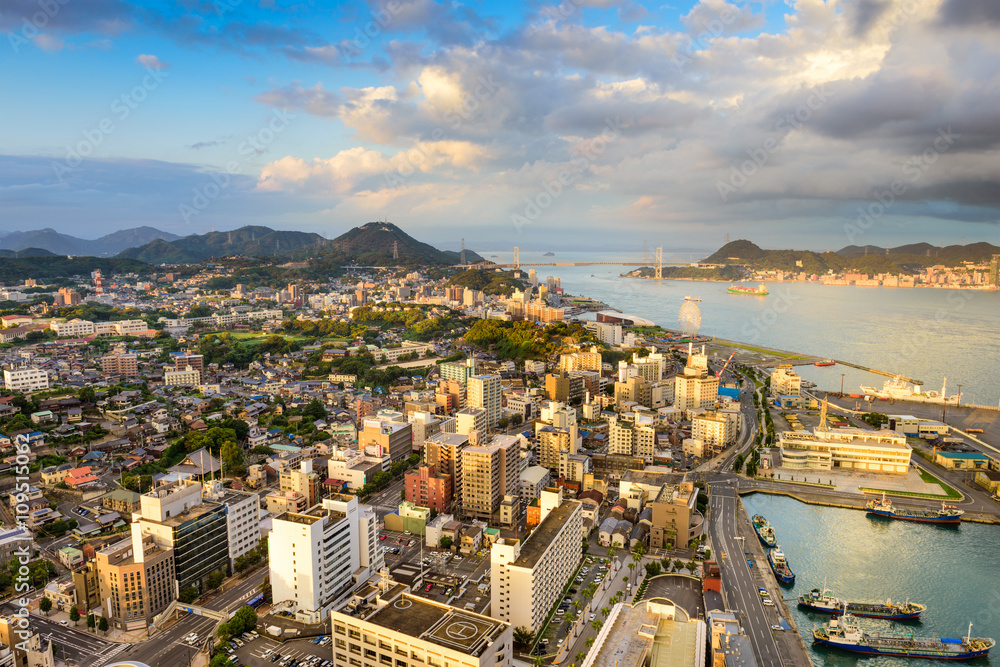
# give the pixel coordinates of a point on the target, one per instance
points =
(878, 372)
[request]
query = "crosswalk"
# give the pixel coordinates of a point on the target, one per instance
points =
(297, 650)
(109, 655)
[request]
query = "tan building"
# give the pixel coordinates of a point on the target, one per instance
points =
(443, 452)
(195, 361)
(484, 392)
(136, 584)
(121, 364)
(651, 633)
(785, 381)
(851, 448)
(715, 429)
(188, 377)
(88, 586)
(674, 516)
(471, 422)
(528, 577)
(122, 501)
(632, 434)
(490, 472)
(302, 481)
(285, 501)
(23, 650)
(696, 387)
(580, 361)
(389, 432)
(563, 387)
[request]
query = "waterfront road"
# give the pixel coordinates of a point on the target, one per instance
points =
(738, 585)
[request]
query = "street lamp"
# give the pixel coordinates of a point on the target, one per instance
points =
(841, 385)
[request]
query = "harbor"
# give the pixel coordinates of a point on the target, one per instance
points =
(950, 570)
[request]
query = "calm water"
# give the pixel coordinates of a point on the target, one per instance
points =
(926, 334)
(954, 571)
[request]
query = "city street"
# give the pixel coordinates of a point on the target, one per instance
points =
(75, 644)
(167, 648)
(738, 585)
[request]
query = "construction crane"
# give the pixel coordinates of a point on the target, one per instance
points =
(726, 365)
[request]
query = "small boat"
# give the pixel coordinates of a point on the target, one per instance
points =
(779, 565)
(825, 362)
(764, 530)
(692, 298)
(846, 634)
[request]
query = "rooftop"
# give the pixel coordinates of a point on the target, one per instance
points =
(446, 626)
(536, 544)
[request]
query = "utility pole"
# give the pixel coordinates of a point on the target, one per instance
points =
(841, 385)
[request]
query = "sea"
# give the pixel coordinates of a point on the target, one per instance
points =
(936, 336)
(952, 570)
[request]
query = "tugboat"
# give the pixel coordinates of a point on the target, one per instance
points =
(779, 565)
(764, 530)
(825, 601)
(948, 515)
(845, 633)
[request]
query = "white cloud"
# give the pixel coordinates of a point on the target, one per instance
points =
(151, 61)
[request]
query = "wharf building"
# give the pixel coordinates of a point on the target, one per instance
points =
(528, 576)
(845, 448)
(387, 626)
(320, 555)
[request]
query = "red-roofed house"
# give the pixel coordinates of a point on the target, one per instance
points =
(78, 476)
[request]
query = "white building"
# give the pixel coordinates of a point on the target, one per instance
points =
(716, 430)
(469, 420)
(484, 392)
(73, 328)
(633, 434)
(607, 333)
(320, 555)
(785, 381)
(399, 629)
(850, 448)
(242, 517)
(25, 379)
(533, 480)
(189, 377)
(696, 388)
(528, 577)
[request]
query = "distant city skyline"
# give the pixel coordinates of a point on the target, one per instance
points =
(809, 125)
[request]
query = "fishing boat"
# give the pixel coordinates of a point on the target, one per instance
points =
(845, 633)
(764, 530)
(779, 565)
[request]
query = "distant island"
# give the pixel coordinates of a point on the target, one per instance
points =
(549, 254)
(916, 265)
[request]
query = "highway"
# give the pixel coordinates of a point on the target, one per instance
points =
(738, 586)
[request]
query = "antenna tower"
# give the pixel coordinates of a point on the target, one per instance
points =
(462, 257)
(659, 263)
(395, 249)
(517, 257)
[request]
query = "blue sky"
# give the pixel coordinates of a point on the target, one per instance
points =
(802, 123)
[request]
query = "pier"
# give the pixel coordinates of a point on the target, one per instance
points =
(878, 372)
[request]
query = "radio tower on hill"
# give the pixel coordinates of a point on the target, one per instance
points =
(395, 249)
(462, 257)
(98, 282)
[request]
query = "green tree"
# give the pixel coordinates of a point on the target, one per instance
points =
(523, 637)
(45, 605)
(223, 632)
(215, 579)
(91, 622)
(446, 542)
(580, 655)
(220, 660)
(188, 595)
(232, 455)
(74, 615)
(102, 625)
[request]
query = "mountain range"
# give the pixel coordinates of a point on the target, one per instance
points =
(64, 244)
(863, 259)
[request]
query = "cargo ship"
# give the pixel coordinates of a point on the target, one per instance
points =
(825, 601)
(825, 362)
(753, 291)
(844, 633)
(764, 530)
(947, 515)
(779, 565)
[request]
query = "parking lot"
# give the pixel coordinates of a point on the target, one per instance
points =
(559, 627)
(265, 652)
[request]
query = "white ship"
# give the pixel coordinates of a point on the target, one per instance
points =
(897, 389)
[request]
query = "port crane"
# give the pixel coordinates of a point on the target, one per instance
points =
(726, 365)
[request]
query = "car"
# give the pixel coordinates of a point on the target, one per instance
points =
(768, 603)
(763, 594)
(381, 537)
(776, 627)
(761, 589)
(406, 532)
(275, 657)
(317, 640)
(63, 622)
(457, 558)
(572, 590)
(560, 642)
(428, 587)
(409, 543)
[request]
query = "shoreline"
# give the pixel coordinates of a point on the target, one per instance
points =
(972, 288)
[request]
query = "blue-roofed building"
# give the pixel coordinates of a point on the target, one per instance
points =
(963, 460)
(730, 392)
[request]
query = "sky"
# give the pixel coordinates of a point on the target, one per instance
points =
(581, 124)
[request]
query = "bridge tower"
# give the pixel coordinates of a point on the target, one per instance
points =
(645, 254)
(462, 257)
(517, 257)
(659, 263)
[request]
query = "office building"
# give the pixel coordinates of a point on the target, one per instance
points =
(443, 452)
(696, 387)
(426, 487)
(303, 481)
(528, 576)
(242, 519)
(490, 472)
(390, 433)
(189, 377)
(632, 434)
(25, 379)
(850, 448)
(126, 365)
(399, 629)
(483, 392)
(136, 579)
(319, 555)
(197, 531)
(563, 387)
(785, 381)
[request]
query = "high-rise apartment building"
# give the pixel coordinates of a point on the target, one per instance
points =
(696, 387)
(320, 555)
(136, 578)
(443, 452)
(717, 430)
(580, 361)
(126, 365)
(528, 577)
(563, 387)
(483, 392)
(471, 422)
(459, 371)
(195, 361)
(426, 487)
(490, 472)
(302, 480)
(632, 434)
